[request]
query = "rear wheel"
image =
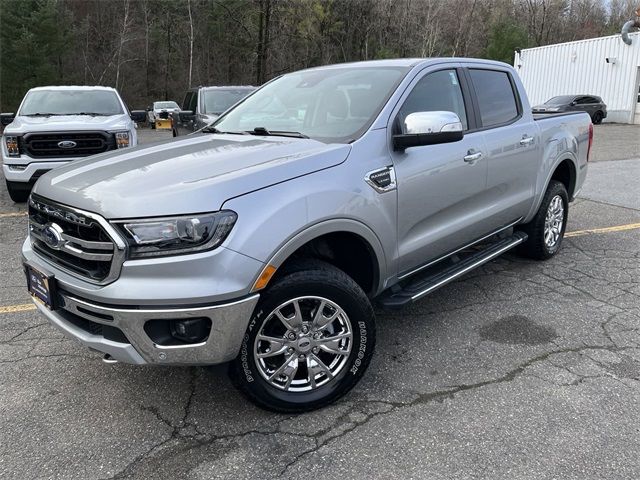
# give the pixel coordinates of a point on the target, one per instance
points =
(18, 191)
(308, 343)
(597, 118)
(546, 229)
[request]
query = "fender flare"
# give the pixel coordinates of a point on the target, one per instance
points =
(539, 195)
(335, 225)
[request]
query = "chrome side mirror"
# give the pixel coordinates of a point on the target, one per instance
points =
(429, 128)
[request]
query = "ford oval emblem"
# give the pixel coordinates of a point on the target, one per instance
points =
(52, 236)
(67, 144)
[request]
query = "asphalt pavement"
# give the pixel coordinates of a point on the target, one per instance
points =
(520, 370)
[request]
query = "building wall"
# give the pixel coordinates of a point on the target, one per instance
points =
(580, 68)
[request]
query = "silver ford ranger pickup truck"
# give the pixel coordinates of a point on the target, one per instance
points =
(266, 239)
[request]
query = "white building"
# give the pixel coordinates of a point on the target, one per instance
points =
(604, 66)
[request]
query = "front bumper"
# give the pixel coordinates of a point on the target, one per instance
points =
(77, 319)
(16, 170)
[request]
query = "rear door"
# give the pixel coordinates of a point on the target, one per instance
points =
(441, 188)
(512, 145)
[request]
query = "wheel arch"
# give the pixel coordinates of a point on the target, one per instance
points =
(565, 171)
(344, 243)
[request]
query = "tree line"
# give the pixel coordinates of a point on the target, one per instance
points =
(154, 49)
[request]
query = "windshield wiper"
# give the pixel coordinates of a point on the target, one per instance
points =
(91, 114)
(40, 114)
(261, 131)
(211, 129)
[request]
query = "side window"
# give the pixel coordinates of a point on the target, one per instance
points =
(187, 100)
(193, 102)
(437, 91)
(496, 98)
(582, 101)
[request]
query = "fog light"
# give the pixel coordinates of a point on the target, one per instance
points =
(191, 330)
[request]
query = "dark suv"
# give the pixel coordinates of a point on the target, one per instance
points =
(591, 104)
(202, 105)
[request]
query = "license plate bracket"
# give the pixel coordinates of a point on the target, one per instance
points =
(41, 286)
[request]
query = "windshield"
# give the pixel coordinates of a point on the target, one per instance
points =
(71, 102)
(218, 100)
(165, 105)
(561, 100)
(329, 104)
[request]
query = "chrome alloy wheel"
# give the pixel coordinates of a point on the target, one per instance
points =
(303, 344)
(553, 222)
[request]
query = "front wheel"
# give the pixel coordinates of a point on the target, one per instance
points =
(546, 229)
(308, 343)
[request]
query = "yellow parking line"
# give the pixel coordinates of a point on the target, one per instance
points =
(17, 308)
(13, 214)
(617, 228)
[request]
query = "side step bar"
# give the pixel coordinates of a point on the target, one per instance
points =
(425, 284)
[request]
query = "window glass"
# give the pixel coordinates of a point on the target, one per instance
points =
(334, 104)
(560, 100)
(437, 91)
(496, 97)
(218, 100)
(193, 102)
(165, 105)
(71, 102)
(583, 100)
(187, 100)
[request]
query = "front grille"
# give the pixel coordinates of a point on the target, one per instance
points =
(74, 241)
(47, 145)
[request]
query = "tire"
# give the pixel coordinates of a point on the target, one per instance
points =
(597, 118)
(303, 389)
(18, 191)
(539, 245)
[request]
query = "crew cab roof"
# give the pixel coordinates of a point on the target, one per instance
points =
(410, 63)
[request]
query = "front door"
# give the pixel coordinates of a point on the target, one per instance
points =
(440, 187)
(185, 124)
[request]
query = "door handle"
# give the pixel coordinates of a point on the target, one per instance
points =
(526, 140)
(472, 156)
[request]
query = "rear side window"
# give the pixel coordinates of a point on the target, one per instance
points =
(496, 98)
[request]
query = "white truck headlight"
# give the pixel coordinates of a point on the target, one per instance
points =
(123, 139)
(11, 142)
(177, 235)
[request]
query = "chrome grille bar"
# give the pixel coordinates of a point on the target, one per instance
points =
(81, 243)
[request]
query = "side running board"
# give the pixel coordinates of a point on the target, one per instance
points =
(425, 283)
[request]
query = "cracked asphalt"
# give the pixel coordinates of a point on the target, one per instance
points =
(521, 370)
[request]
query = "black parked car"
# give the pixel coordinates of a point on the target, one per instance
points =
(591, 104)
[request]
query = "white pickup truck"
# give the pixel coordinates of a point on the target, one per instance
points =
(56, 125)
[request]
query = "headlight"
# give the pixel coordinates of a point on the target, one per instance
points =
(11, 142)
(122, 139)
(177, 235)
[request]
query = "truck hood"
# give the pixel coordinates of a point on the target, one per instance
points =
(68, 123)
(191, 175)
